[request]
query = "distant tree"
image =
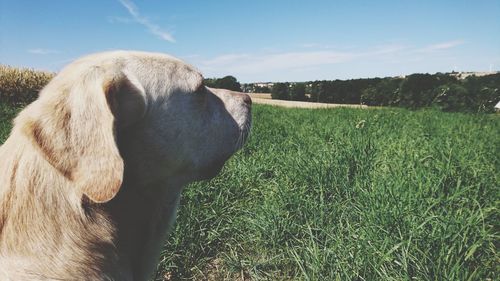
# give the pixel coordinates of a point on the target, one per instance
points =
(452, 97)
(314, 91)
(298, 92)
(319, 91)
(227, 82)
(280, 91)
(339, 91)
(329, 91)
(383, 93)
(442, 90)
(210, 82)
(417, 90)
(484, 91)
(371, 96)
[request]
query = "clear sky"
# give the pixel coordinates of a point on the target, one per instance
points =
(261, 40)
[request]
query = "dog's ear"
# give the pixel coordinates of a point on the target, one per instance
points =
(75, 129)
(125, 98)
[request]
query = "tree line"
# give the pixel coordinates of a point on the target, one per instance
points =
(444, 91)
(228, 82)
(441, 90)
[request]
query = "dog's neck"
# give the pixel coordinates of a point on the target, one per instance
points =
(143, 215)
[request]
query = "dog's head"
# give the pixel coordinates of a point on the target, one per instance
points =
(147, 114)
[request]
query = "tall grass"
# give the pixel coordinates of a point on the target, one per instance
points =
(345, 194)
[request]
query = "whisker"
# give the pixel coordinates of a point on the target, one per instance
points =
(243, 134)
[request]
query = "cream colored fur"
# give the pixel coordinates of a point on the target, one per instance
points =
(91, 174)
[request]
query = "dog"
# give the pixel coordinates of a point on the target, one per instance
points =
(92, 172)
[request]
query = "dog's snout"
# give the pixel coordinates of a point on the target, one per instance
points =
(247, 99)
(232, 97)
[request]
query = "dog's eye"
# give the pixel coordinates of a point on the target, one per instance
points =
(201, 90)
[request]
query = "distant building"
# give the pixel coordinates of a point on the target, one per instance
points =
(465, 74)
(257, 87)
(266, 84)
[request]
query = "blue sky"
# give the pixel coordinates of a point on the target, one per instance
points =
(280, 40)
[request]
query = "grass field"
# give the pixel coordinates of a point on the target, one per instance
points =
(7, 113)
(345, 194)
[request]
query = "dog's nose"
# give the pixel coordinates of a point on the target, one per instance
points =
(247, 99)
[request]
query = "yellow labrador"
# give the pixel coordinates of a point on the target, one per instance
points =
(91, 174)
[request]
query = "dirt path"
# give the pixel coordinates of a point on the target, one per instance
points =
(301, 104)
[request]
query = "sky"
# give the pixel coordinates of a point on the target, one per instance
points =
(259, 40)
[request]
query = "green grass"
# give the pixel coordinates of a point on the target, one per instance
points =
(7, 114)
(346, 194)
(324, 195)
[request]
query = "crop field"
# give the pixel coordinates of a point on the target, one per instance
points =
(344, 194)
